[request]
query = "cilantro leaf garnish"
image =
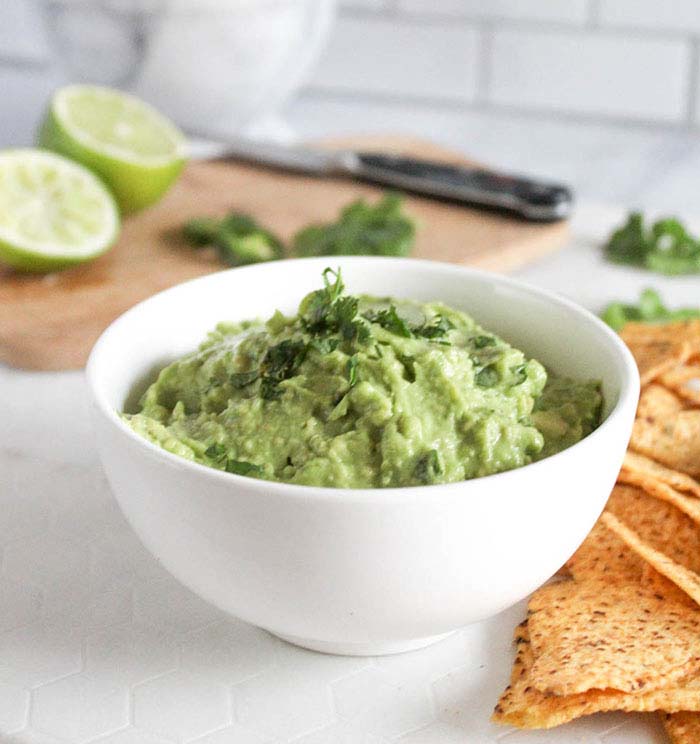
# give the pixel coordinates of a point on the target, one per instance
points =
(352, 369)
(436, 329)
(390, 319)
(327, 311)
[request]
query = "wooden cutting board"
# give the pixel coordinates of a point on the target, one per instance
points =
(51, 322)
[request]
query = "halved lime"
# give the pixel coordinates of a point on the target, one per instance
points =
(54, 213)
(137, 151)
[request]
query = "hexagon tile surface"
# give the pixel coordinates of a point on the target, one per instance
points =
(99, 644)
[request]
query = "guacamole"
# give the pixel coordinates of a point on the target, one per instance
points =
(363, 392)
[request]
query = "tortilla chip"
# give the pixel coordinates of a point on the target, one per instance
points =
(526, 707)
(685, 381)
(682, 577)
(594, 635)
(603, 554)
(688, 330)
(656, 351)
(658, 404)
(641, 465)
(659, 523)
(676, 443)
(682, 728)
(687, 504)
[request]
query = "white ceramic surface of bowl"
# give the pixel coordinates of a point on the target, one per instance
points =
(360, 571)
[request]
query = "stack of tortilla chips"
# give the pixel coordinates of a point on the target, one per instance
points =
(619, 628)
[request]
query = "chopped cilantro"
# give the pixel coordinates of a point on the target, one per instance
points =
(237, 237)
(280, 363)
(200, 231)
(241, 467)
(666, 247)
(352, 369)
(481, 342)
(650, 309)
(241, 379)
(324, 345)
(215, 451)
(362, 229)
(390, 319)
(428, 467)
(327, 311)
(487, 377)
(437, 329)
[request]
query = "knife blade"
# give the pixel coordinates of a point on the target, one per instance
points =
(531, 198)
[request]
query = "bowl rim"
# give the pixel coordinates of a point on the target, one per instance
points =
(627, 398)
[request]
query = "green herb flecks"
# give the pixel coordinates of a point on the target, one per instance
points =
(666, 247)
(487, 376)
(242, 379)
(353, 361)
(390, 319)
(215, 451)
(241, 467)
(218, 454)
(650, 309)
(428, 467)
(280, 363)
(362, 229)
(481, 342)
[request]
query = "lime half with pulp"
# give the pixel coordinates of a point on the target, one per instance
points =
(136, 151)
(53, 212)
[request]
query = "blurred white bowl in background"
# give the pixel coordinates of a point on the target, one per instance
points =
(214, 66)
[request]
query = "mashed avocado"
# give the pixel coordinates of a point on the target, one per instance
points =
(363, 392)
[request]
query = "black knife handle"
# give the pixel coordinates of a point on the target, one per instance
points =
(530, 198)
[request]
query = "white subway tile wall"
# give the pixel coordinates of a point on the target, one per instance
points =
(669, 15)
(414, 58)
(604, 60)
(590, 73)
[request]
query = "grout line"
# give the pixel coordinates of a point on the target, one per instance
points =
(20, 62)
(323, 94)
(693, 82)
(589, 25)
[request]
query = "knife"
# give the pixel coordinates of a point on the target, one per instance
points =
(532, 199)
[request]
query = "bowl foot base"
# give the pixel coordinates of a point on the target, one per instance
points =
(379, 648)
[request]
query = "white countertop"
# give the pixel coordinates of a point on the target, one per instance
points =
(98, 643)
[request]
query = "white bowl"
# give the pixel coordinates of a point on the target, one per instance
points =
(214, 66)
(360, 571)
